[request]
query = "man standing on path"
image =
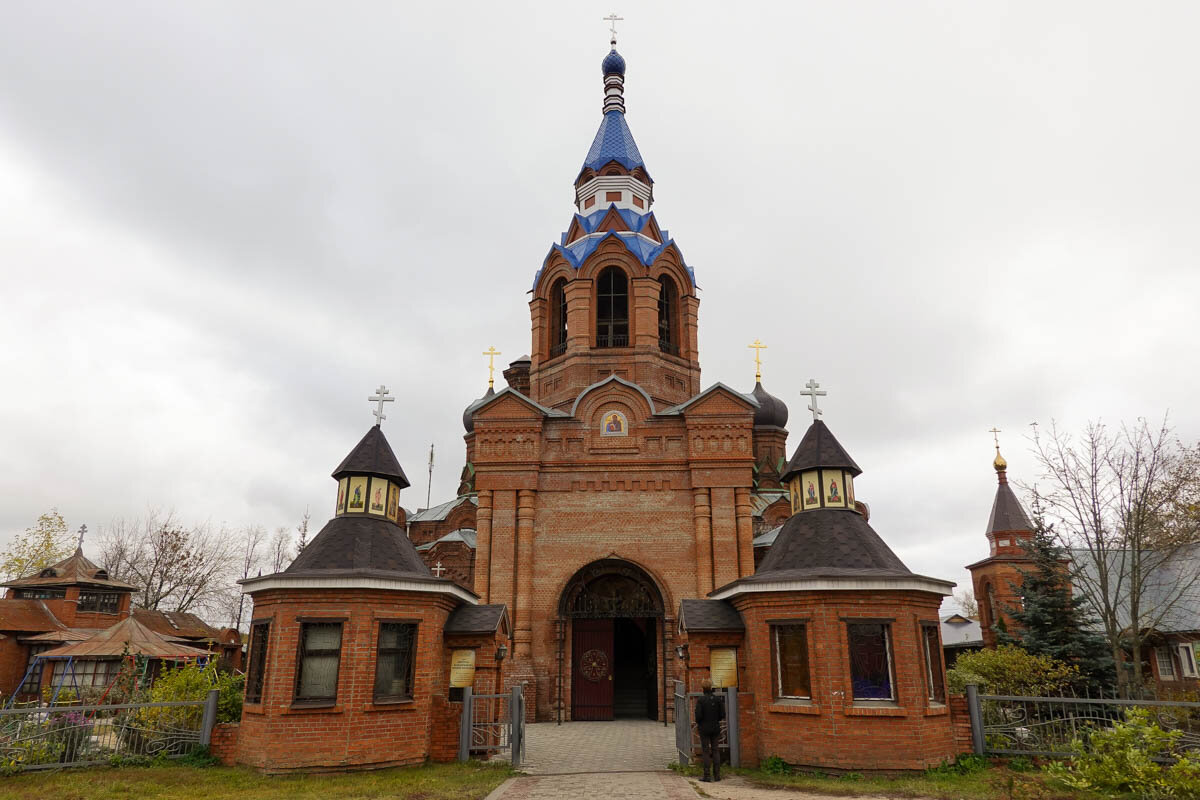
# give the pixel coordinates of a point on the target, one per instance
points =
(709, 713)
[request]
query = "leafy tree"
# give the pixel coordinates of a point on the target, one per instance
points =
(1010, 670)
(1051, 620)
(46, 542)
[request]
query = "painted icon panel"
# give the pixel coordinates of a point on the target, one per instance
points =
(810, 488)
(341, 503)
(835, 492)
(613, 423)
(378, 499)
(393, 507)
(356, 494)
(849, 490)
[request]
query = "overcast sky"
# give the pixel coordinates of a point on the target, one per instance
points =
(221, 227)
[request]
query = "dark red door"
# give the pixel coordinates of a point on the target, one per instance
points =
(591, 669)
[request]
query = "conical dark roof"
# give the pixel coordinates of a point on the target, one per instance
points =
(819, 448)
(373, 456)
(1007, 513)
(828, 542)
(360, 545)
(771, 410)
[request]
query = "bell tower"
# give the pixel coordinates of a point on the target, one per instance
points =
(614, 295)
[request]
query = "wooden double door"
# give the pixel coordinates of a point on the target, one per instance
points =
(613, 669)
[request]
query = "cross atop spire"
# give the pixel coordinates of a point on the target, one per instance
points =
(491, 353)
(757, 347)
(813, 392)
(82, 533)
(613, 19)
(381, 396)
(995, 432)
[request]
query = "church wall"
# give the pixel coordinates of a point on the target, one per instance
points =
(832, 731)
(355, 732)
(14, 660)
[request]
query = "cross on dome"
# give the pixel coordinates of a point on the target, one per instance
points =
(757, 347)
(813, 393)
(381, 396)
(491, 353)
(613, 19)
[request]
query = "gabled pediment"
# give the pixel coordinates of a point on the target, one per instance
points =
(716, 399)
(510, 404)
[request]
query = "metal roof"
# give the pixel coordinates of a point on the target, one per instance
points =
(442, 511)
(127, 637)
(464, 535)
(75, 569)
(27, 615)
(614, 142)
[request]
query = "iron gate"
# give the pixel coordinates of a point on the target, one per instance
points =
(492, 724)
(687, 738)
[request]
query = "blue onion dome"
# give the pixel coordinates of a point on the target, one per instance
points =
(771, 410)
(613, 64)
(469, 411)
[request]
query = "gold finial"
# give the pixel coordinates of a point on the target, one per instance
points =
(1000, 464)
(757, 347)
(491, 353)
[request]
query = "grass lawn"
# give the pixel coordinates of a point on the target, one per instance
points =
(433, 782)
(993, 782)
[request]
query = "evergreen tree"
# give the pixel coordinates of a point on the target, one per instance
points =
(1051, 620)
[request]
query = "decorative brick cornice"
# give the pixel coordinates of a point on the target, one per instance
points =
(915, 583)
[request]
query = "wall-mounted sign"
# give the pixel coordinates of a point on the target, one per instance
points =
(462, 668)
(722, 667)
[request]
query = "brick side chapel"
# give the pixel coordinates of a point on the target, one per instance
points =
(610, 508)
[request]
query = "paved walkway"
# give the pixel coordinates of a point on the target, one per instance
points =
(640, 786)
(591, 747)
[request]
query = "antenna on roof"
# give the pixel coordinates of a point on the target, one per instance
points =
(429, 486)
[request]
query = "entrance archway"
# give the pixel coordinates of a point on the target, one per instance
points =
(611, 618)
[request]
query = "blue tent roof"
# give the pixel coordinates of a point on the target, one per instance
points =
(644, 249)
(635, 221)
(614, 142)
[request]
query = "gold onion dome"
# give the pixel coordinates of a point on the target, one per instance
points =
(1000, 464)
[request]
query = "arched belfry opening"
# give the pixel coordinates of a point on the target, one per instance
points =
(611, 643)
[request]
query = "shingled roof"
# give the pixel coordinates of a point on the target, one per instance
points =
(360, 545)
(825, 543)
(1007, 513)
(819, 448)
(477, 619)
(74, 570)
(709, 615)
(373, 456)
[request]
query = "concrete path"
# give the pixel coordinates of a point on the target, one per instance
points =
(592, 747)
(620, 786)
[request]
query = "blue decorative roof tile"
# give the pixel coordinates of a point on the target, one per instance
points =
(614, 142)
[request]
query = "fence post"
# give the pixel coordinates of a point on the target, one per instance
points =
(732, 728)
(975, 712)
(209, 719)
(465, 720)
(516, 716)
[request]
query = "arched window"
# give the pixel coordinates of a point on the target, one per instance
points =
(558, 317)
(612, 309)
(668, 316)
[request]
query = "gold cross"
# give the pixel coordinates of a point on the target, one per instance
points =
(757, 347)
(995, 432)
(491, 353)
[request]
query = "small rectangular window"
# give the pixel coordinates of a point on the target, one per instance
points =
(935, 680)
(320, 655)
(790, 661)
(33, 669)
(100, 602)
(871, 660)
(396, 660)
(40, 594)
(1187, 660)
(257, 670)
(1166, 667)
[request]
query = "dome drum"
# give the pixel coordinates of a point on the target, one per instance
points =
(822, 488)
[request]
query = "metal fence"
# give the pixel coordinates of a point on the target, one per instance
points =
(51, 737)
(1011, 725)
(491, 725)
(687, 737)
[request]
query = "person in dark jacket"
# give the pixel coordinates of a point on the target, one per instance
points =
(710, 710)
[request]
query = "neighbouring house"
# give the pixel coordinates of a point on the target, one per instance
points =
(72, 602)
(960, 635)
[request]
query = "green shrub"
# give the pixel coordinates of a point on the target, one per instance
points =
(1121, 760)
(774, 765)
(1010, 670)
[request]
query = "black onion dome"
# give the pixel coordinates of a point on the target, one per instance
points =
(469, 411)
(828, 543)
(360, 545)
(613, 63)
(771, 410)
(819, 448)
(373, 456)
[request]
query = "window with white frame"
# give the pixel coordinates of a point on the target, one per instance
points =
(84, 674)
(1166, 667)
(1187, 660)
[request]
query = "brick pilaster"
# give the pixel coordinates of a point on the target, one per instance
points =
(483, 546)
(524, 605)
(704, 549)
(745, 532)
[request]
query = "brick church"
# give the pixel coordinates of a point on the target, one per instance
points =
(621, 526)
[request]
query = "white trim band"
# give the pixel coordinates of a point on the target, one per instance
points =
(387, 584)
(914, 584)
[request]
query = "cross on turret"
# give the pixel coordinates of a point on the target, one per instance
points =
(381, 396)
(813, 392)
